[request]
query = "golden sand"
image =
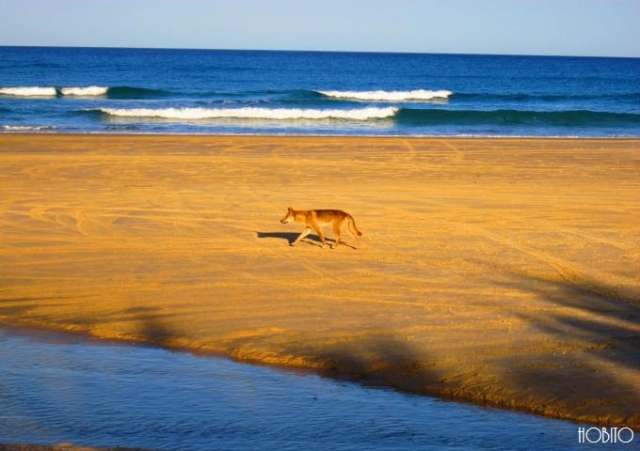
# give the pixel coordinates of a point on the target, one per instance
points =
(499, 271)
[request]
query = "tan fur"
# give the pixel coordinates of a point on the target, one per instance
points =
(315, 219)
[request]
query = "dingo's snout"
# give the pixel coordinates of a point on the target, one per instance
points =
(288, 217)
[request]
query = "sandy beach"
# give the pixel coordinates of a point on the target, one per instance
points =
(497, 271)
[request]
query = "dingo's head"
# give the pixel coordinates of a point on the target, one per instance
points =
(289, 217)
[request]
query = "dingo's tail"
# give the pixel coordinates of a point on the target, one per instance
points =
(352, 227)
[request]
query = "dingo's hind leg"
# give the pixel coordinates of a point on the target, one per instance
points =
(353, 231)
(336, 231)
(304, 233)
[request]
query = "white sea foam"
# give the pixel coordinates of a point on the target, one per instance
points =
(85, 91)
(27, 128)
(359, 114)
(389, 96)
(29, 91)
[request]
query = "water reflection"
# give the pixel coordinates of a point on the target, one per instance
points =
(69, 389)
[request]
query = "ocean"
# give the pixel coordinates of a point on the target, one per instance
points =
(111, 90)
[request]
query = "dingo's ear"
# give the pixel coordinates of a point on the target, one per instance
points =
(290, 208)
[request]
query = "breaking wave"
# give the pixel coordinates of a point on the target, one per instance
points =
(27, 128)
(117, 92)
(389, 96)
(29, 91)
(406, 116)
(359, 114)
(52, 91)
(85, 91)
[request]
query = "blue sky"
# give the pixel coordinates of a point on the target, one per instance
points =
(538, 27)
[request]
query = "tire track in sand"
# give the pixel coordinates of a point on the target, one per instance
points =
(616, 286)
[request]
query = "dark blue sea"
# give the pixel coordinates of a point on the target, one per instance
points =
(108, 90)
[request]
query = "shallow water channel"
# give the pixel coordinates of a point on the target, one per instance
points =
(56, 388)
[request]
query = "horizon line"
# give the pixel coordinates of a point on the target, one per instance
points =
(321, 51)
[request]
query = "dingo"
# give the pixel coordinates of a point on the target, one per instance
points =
(315, 219)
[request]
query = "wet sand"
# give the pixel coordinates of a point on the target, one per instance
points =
(497, 271)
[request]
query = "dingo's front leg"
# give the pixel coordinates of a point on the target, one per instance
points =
(304, 233)
(320, 235)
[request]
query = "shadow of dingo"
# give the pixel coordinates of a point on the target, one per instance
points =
(291, 237)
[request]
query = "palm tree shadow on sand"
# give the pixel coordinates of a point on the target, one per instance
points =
(594, 322)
